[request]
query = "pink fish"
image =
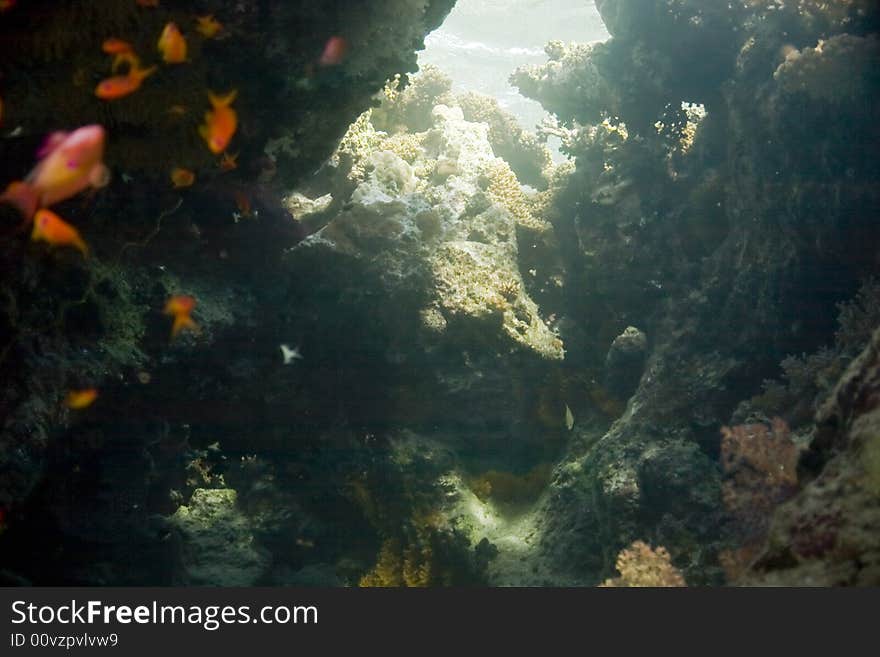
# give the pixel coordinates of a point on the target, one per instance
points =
(334, 51)
(70, 163)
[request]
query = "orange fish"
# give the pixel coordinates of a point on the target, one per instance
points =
(122, 85)
(228, 162)
(334, 51)
(172, 45)
(51, 228)
(182, 177)
(221, 123)
(208, 26)
(178, 110)
(6, 5)
(133, 61)
(78, 399)
(181, 307)
(114, 46)
(123, 53)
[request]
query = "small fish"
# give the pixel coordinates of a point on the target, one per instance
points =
(172, 45)
(148, 3)
(569, 418)
(182, 177)
(122, 85)
(289, 354)
(6, 5)
(228, 162)
(208, 26)
(123, 58)
(114, 46)
(181, 307)
(69, 164)
(220, 123)
(79, 399)
(49, 227)
(177, 110)
(334, 51)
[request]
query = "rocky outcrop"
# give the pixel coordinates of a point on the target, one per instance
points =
(829, 534)
(722, 230)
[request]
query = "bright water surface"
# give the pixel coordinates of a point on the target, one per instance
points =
(483, 41)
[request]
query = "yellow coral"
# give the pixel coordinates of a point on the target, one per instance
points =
(639, 565)
(398, 565)
(504, 188)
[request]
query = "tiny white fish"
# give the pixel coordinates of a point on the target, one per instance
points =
(289, 354)
(569, 418)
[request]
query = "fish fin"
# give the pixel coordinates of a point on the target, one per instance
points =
(51, 143)
(141, 73)
(22, 197)
(81, 246)
(99, 176)
(222, 101)
(182, 322)
(133, 61)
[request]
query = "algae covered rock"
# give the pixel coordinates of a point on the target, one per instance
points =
(442, 227)
(216, 542)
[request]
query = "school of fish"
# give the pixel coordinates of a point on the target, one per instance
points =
(70, 163)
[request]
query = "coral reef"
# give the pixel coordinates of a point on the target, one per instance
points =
(470, 401)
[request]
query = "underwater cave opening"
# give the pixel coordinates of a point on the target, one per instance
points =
(482, 42)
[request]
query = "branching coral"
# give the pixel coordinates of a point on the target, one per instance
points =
(504, 188)
(527, 156)
(398, 566)
(569, 85)
(409, 109)
(806, 379)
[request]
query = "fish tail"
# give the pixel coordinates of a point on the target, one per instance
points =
(222, 101)
(141, 73)
(133, 61)
(81, 246)
(24, 198)
(182, 322)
